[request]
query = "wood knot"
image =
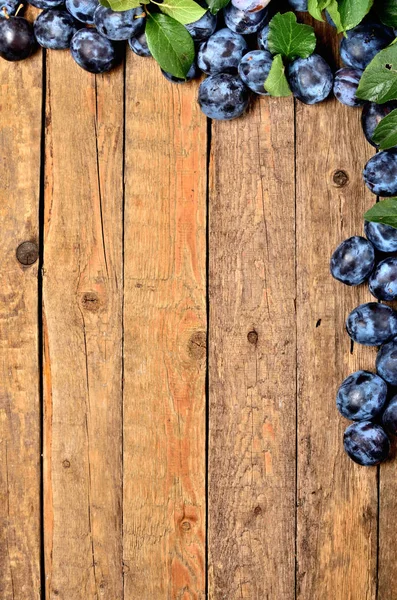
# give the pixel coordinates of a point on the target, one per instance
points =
(27, 253)
(186, 526)
(90, 301)
(340, 178)
(66, 464)
(197, 345)
(252, 337)
(257, 510)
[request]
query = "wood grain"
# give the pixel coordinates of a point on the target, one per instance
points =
(252, 356)
(165, 338)
(82, 304)
(20, 412)
(337, 499)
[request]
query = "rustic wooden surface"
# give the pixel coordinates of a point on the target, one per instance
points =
(171, 472)
(82, 331)
(164, 338)
(20, 410)
(252, 355)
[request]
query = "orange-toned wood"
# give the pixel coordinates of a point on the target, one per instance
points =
(82, 308)
(20, 413)
(164, 338)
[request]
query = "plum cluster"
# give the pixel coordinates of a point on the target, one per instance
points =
(369, 399)
(231, 49)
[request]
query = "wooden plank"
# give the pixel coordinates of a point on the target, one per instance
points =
(82, 296)
(164, 351)
(252, 356)
(387, 528)
(337, 500)
(20, 418)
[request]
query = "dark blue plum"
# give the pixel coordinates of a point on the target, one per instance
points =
(193, 73)
(372, 115)
(299, 5)
(366, 443)
(389, 419)
(223, 96)
(17, 40)
(372, 324)
(362, 43)
(250, 5)
(202, 29)
(222, 52)
(345, 86)
(353, 261)
(263, 38)
(254, 68)
(362, 396)
(54, 29)
(139, 45)
(380, 173)
(118, 26)
(383, 237)
(386, 362)
(44, 4)
(244, 22)
(383, 280)
(92, 51)
(82, 10)
(310, 79)
(9, 8)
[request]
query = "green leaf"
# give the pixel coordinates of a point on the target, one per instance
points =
(387, 12)
(384, 212)
(352, 12)
(379, 80)
(216, 5)
(385, 134)
(104, 3)
(333, 11)
(183, 11)
(121, 5)
(276, 83)
(170, 44)
(316, 7)
(289, 38)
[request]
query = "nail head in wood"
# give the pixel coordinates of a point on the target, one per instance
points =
(340, 178)
(27, 253)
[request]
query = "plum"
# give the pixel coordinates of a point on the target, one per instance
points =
(383, 280)
(353, 261)
(386, 362)
(310, 79)
(366, 443)
(223, 96)
(362, 396)
(222, 52)
(93, 51)
(254, 68)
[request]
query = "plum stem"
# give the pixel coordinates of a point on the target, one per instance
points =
(7, 16)
(18, 9)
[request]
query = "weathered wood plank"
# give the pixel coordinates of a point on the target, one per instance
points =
(252, 356)
(337, 500)
(20, 412)
(164, 351)
(82, 303)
